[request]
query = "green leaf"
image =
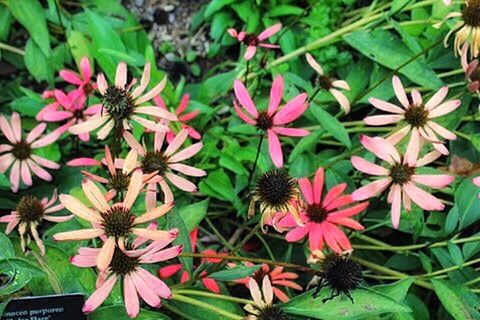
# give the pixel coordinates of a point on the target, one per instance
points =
(6, 20)
(234, 273)
(174, 220)
(459, 301)
(123, 57)
(331, 124)
(389, 51)
(466, 198)
(17, 277)
(218, 185)
(284, 10)
(197, 313)
(79, 46)
(37, 62)
(193, 214)
(7, 250)
(216, 5)
(216, 86)
(367, 303)
(117, 312)
(30, 14)
(397, 290)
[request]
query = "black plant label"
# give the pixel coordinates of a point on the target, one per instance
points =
(57, 307)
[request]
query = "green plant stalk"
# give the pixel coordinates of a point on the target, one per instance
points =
(212, 295)
(206, 306)
(7, 47)
(450, 269)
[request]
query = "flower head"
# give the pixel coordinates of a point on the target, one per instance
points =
(116, 222)
(341, 274)
(252, 41)
(83, 81)
(276, 192)
(121, 105)
(333, 86)
(71, 108)
(29, 214)
(322, 217)
(263, 309)
(276, 276)
(472, 70)
(182, 118)
(164, 163)
(209, 283)
(416, 117)
(19, 154)
(399, 175)
(126, 266)
(467, 29)
(273, 120)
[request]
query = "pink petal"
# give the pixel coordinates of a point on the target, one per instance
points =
(339, 236)
(314, 64)
(341, 84)
(349, 212)
(16, 126)
(187, 152)
(330, 237)
(5, 161)
(39, 171)
(270, 31)
(211, 285)
(334, 193)
(168, 271)
(130, 297)
(184, 104)
(422, 198)
(385, 106)
(121, 75)
(188, 170)
(177, 142)
(45, 163)
(413, 148)
(244, 98)
(36, 132)
(83, 162)
(296, 234)
(447, 134)
(70, 77)
(291, 132)
(306, 188)
(100, 295)
(436, 181)
(371, 190)
(106, 254)
(350, 223)
(85, 68)
(318, 185)
(55, 116)
(158, 285)
(276, 93)
(400, 92)
(181, 183)
(396, 205)
(250, 52)
(315, 237)
(445, 108)
(102, 83)
(437, 98)
(275, 149)
(25, 173)
(399, 135)
(242, 115)
(292, 110)
(381, 148)
(342, 100)
(145, 292)
(416, 97)
(368, 167)
(382, 120)
(7, 130)
(15, 176)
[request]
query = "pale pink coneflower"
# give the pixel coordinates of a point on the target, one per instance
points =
(322, 216)
(125, 266)
(252, 41)
(400, 176)
(417, 116)
(121, 104)
(116, 222)
(165, 163)
(71, 108)
(118, 180)
(19, 152)
(182, 118)
(472, 70)
(263, 307)
(329, 84)
(31, 213)
(274, 120)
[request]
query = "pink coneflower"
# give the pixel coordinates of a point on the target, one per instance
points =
(417, 116)
(19, 153)
(182, 118)
(263, 309)
(252, 41)
(117, 222)
(329, 84)
(322, 217)
(70, 108)
(121, 105)
(125, 266)
(276, 276)
(400, 175)
(209, 283)
(275, 118)
(83, 81)
(29, 214)
(472, 70)
(119, 179)
(164, 163)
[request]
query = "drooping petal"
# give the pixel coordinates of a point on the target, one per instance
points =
(134, 188)
(154, 214)
(152, 93)
(187, 170)
(382, 120)
(318, 185)
(314, 64)
(291, 132)
(275, 149)
(100, 295)
(244, 98)
(250, 52)
(176, 143)
(132, 303)
(381, 148)
(342, 100)
(396, 205)
(106, 254)
(84, 234)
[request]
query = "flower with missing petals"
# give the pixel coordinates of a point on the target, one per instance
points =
(83, 81)
(467, 29)
(274, 120)
(19, 153)
(126, 266)
(399, 175)
(322, 217)
(116, 222)
(164, 163)
(417, 117)
(253, 42)
(121, 104)
(333, 86)
(30, 214)
(264, 308)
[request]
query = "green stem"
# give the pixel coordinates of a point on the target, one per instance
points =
(7, 47)
(206, 306)
(212, 295)
(450, 269)
(259, 148)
